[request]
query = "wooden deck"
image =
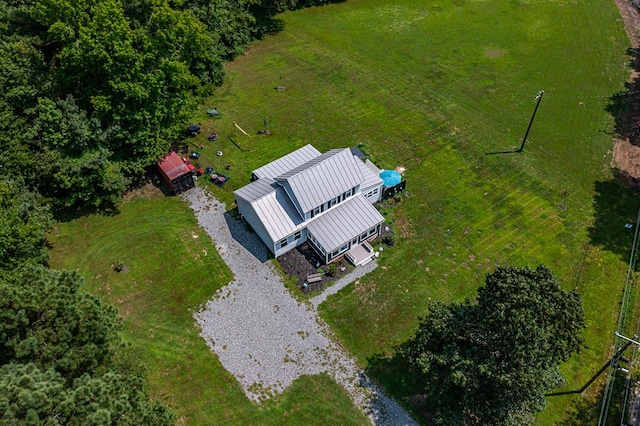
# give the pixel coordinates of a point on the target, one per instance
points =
(360, 254)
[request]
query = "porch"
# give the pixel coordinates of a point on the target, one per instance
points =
(360, 254)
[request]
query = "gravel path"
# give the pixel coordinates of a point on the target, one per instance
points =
(343, 282)
(265, 337)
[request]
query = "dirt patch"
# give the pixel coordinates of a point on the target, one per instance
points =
(631, 21)
(303, 260)
(626, 154)
(626, 162)
(146, 191)
(495, 53)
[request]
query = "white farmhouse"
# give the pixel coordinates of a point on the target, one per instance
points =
(325, 199)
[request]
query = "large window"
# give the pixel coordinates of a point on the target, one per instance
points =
(315, 211)
(283, 242)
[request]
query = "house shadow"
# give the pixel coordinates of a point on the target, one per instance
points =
(616, 203)
(246, 237)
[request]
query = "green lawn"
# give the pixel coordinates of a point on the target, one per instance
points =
(172, 268)
(433, 87)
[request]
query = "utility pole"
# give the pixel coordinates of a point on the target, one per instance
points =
(604, 409)
(538, 98)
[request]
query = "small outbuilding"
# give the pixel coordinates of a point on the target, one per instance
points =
(175, 173)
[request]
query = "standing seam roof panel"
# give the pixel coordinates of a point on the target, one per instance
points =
(256, 190)
(288, 162)
(278, 217)
(344, 222)
(323, 178)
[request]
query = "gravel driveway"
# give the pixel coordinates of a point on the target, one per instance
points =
(265, 337)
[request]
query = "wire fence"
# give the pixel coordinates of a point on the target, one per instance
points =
(623, 322)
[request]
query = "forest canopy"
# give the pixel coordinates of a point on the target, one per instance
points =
(93, 93)
(96, 91)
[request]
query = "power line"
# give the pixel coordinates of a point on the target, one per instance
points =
(622, 323)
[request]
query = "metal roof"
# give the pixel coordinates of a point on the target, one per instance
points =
(273, 207)
(257, 189)
(288, 162)
(278, 215)
(371, 178)
(173, 166)
(344, 222)
(322, 178)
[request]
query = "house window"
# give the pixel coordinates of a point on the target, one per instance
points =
(348, 193)
(333, 202)
(283, 243)
(375, 191)
(297, 235)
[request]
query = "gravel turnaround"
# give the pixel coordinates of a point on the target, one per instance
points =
(265, 337)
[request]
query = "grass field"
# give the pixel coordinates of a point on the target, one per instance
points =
(171, 268)
(438, 88)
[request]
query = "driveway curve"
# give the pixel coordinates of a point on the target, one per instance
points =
(265, 337)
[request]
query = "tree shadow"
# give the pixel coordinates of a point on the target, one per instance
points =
(625, 105)
(394, 373)
(581, 412)
(64, 215)
(615, 204)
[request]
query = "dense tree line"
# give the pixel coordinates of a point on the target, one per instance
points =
(491, 360)
(93, 92)
(61, 358)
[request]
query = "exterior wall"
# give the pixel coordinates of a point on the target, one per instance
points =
(291, 244)
(182, 183)
(250, 216)
(367, 236)
(373, 194)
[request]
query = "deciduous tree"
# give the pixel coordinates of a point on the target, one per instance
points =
(23, 225)
(491, 360)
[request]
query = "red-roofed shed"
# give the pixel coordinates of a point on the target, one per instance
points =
(175, 173)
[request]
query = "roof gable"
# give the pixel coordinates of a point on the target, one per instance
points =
(344, 222)
(272, 206)
(287, 162)
(256, 190)
(322, 178)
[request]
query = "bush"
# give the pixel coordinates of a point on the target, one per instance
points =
(331, 269)
(388, 240)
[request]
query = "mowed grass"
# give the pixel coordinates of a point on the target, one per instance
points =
(172, 269)
(441, 88)
(435, 87)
